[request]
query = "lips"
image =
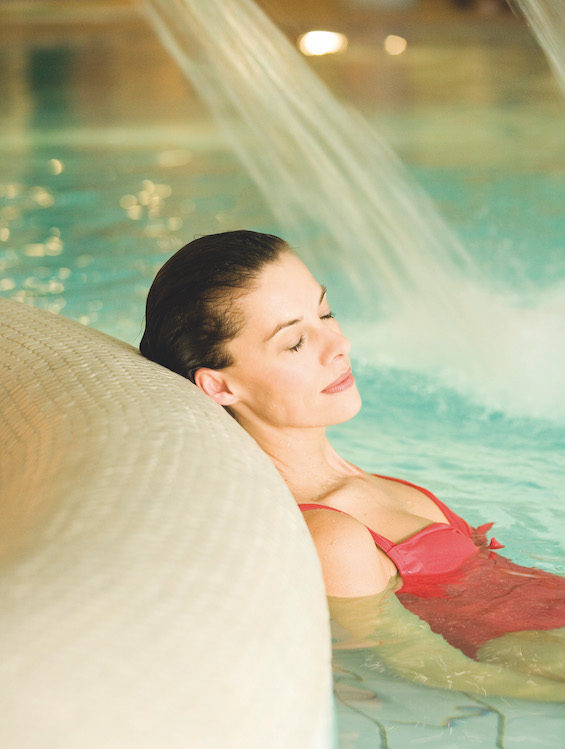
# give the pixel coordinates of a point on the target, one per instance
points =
(341, 383)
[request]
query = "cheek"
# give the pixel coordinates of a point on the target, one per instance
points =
(283, 384)
(297, 372)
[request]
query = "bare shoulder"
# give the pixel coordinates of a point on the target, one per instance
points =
(352, 565)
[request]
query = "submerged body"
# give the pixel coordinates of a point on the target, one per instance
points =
(454, 580)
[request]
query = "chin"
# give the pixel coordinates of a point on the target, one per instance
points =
(347, 409)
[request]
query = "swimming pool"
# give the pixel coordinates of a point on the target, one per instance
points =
(110, 163)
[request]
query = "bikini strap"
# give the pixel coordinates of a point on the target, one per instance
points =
(453, 519)
(383, 543)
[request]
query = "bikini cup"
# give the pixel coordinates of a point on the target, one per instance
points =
(436, 549)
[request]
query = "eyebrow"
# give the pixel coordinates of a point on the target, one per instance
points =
(282, 325)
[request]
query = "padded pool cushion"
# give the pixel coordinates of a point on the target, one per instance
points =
(159, 586)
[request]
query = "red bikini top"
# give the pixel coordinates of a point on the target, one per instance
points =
(436, 549)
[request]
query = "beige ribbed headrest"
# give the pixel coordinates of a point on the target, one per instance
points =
(159, 587)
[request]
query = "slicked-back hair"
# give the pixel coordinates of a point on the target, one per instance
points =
(190, 313)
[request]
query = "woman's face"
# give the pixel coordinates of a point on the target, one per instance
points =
(290, 356)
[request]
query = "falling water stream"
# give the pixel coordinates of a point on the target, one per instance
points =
(547, 20)
(344, 199)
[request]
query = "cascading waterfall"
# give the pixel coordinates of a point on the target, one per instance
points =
(547, 19)
(343, 198)
(318, 167)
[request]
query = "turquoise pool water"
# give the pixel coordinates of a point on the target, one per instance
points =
(109, 164)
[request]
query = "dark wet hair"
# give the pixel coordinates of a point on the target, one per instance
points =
(190, 315)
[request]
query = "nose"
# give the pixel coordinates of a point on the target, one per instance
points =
(335, 344)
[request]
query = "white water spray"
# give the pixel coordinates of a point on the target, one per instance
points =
(343, 198)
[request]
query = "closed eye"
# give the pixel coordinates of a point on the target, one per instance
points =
(298, 345)
(301, 340)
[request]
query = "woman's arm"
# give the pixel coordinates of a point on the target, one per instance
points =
(351, 563)
(406, 644)
(360, 581)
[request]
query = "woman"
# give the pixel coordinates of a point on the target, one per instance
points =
(241, 316)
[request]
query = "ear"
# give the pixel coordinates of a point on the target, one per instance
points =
(213, 383)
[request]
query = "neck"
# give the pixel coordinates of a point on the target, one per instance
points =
(303, 456)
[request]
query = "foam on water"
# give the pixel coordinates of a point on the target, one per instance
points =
(520, 358)
(340, 194)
